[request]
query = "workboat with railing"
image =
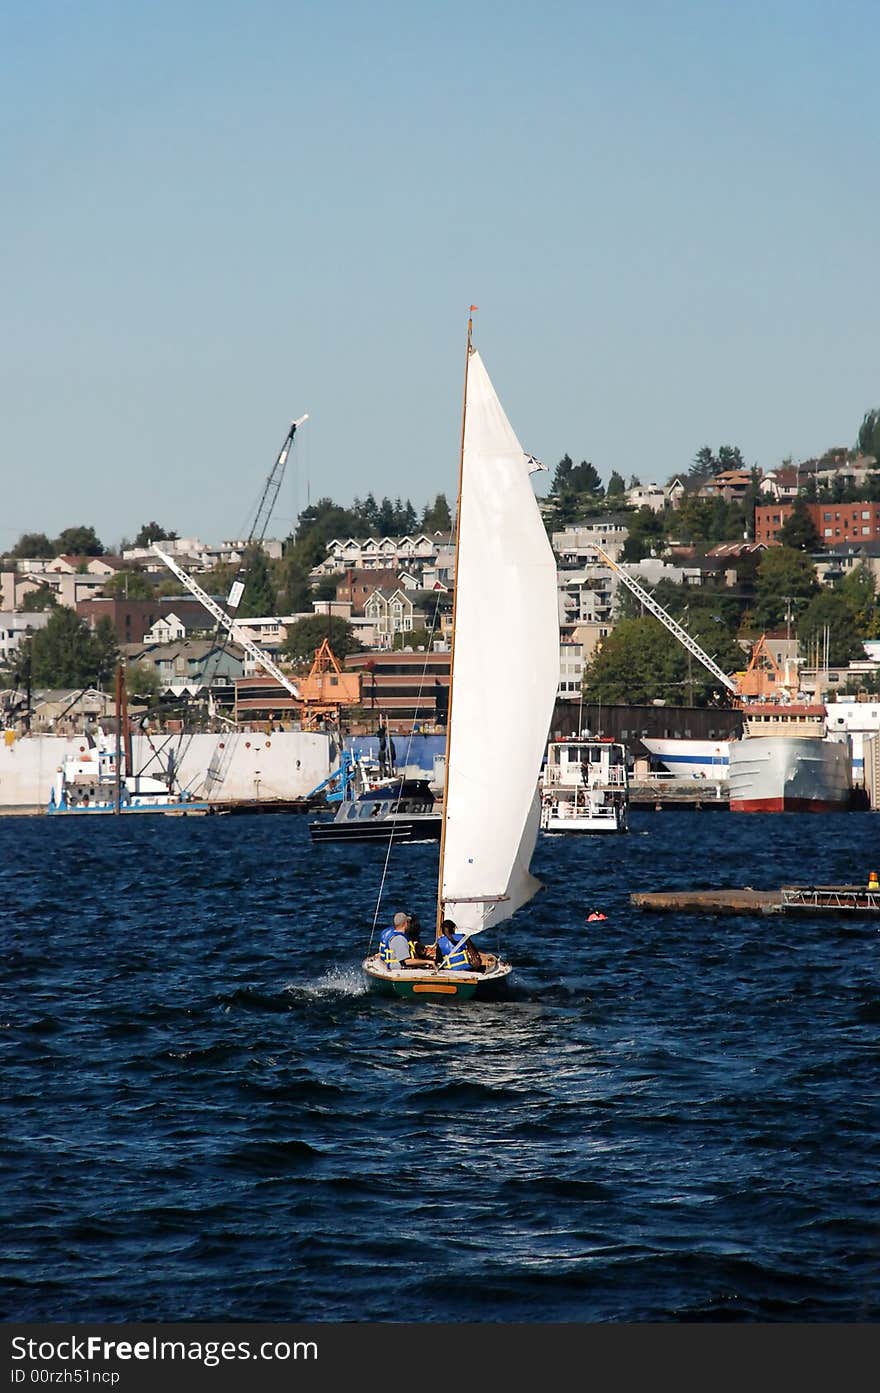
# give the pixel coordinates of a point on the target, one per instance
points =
(373, 807)
(585, 787)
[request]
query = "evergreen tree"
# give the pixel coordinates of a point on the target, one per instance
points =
(105, 649)
(616, 487)
(386, 518)
(296, 593)
(437, 517)
(562, 474)
(799, 531)
(869, 434)
(259, 588)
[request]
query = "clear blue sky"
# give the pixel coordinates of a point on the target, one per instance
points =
(220, 215)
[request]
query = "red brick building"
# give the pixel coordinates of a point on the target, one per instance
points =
(835, 522)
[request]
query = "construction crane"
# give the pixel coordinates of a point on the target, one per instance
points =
(225, 621)
(675, 629)
(264, 512)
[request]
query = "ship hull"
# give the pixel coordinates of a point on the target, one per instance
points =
(691, 759)
(788, 774)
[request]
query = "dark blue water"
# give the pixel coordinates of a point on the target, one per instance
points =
(206, 1116)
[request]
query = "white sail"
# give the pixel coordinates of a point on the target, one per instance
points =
(506, 671)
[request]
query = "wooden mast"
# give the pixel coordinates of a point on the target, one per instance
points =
(117, 772)
(470, 330)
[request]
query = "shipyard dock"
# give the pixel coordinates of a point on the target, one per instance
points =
(685, 795)
(837, 900)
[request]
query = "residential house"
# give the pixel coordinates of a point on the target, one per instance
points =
(190, 665)
(576, 544)
(16, 626)
(393, 610)
(731, 484)
(382, 554)
(647, 496)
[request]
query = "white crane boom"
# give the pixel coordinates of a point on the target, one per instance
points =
(675, 629)
(223, 618)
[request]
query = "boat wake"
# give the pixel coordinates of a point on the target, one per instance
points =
(339, 981)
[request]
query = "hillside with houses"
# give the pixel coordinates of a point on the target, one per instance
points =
(732, 552)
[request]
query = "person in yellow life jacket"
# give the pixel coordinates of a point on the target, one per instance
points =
(595, 916)
(454, 951)
(399, 944)
(393, 942)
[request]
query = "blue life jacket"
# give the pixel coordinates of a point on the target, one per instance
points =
(453, 953)
(385, 938)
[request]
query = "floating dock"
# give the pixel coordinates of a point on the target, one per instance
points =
(670, 795)
(838, 900)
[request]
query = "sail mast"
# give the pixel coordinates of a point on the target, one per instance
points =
(470, 330)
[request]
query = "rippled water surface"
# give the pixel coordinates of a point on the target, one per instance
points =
(205, 1115)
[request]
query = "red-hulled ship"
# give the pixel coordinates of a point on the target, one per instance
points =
(785, 763)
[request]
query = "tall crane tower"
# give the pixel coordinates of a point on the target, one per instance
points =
(675, 629)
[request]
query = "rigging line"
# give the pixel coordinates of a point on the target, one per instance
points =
(400, 785)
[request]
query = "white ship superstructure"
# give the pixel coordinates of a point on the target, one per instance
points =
(585, 787)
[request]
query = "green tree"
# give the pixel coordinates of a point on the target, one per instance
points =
(784, 577)
(296, 592)
(799, 531)
(33, 544)
(704, 464)
(152, 532)
(437, 517)
(869, 434)
(142, 681)
(78, 541)
(130, 585)
(616, 487)
(64, 653)
(640, 662)
(105, 650)
(829, 618)
(415, 639)
(859, 589)
(646, 533)
(36, 601)
(304, 637)
(259, 588)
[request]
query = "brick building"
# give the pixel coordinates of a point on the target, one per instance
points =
(835, 522)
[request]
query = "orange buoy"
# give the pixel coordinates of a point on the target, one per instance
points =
(873, 882)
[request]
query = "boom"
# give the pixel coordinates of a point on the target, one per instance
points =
(229, 624)
(675, 629)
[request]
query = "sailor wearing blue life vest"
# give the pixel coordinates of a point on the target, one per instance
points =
(394, 946)
(453, 950)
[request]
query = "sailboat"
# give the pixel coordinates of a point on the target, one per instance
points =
(503, 683)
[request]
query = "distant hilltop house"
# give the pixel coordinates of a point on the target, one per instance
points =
(654, 496)
(732, 485)
(411, 553)
(837, 467)
(195, 555)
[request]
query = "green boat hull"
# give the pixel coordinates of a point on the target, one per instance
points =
(429, 985)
